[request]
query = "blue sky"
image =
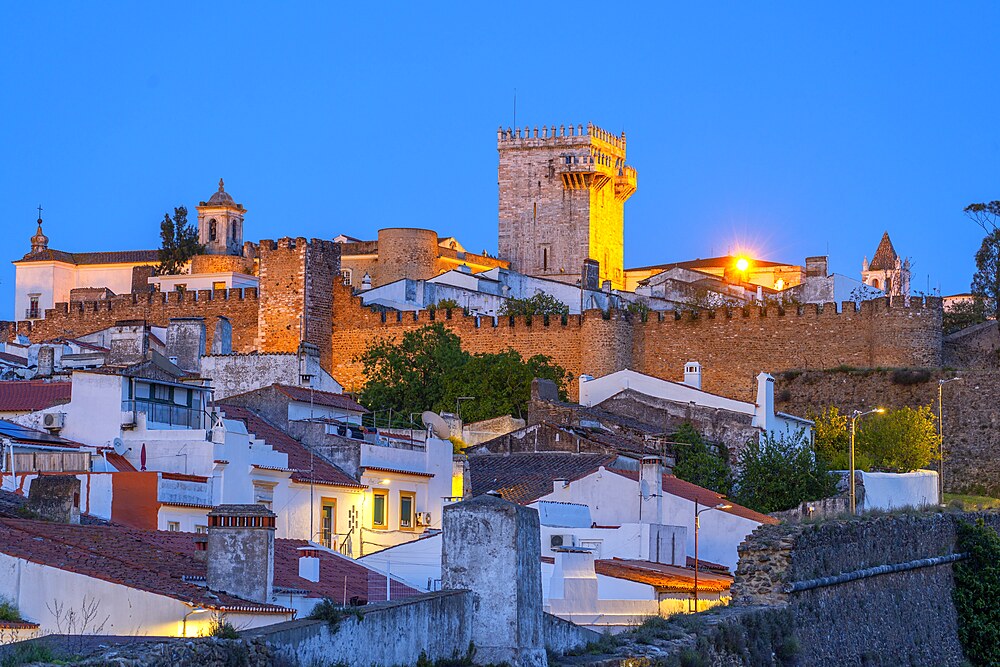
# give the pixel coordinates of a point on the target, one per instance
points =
(793, 128)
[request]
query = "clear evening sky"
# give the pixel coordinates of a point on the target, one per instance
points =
(794, 129)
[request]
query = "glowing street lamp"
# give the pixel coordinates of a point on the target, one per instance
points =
(855, 416)
(697, 526)
(184, 623)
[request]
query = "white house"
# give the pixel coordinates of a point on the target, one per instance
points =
(594, 391)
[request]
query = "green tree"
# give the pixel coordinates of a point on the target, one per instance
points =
(832, 438)
(408, 376)
(962, 314)
(986, 280)
(178, 242)
(428, 370)
(696, 464)
(977, 586)
(779, 473)
(500, 384)
(539, 304)
(900, 440)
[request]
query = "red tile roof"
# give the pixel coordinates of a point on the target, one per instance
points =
(133, 558)
(18, 625)
(885, 255)
(325, 398)
(32, 395)
(113, 257)
(525, 477)
(705, 497)
(309, 468)
(672, 577)
(163, 562)
(398, 471)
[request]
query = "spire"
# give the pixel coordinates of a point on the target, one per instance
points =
(222, 186)
(39, 241)
(885, 256)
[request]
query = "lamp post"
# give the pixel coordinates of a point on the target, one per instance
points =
(697, 526)
(941, 384)
(855, 416)
(184, 623)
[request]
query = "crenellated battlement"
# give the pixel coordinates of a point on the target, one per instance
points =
(561, 136)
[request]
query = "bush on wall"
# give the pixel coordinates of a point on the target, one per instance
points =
(977, 589)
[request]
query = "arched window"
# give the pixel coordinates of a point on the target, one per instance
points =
(212, 229)
(888, 285)
(234, 230)
(875, 283)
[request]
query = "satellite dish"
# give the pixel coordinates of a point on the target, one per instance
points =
(119, 446)
(644, 489)
(433, 421)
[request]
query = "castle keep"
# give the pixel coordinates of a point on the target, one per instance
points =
(562, 201)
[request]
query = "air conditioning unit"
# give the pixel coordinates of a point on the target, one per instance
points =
(53, 421)
(423, 518)
(562, 541)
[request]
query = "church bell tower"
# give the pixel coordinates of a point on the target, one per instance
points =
(220, 224)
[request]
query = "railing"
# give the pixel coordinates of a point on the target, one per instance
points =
(31, 313)
(174, 416)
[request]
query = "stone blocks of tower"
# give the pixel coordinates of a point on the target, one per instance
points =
(296, 294)
(562, 194)
(406, 253)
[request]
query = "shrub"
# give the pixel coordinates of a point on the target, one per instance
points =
(539, 304)
(333, 613)
(977, 588)
(221, 628)
(696, 464)
(8, 610)
(779, 473)
(900, 440)
(27, 654)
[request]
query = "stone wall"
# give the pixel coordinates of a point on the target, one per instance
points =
(156, 308)
(971, 412)
(897, 618)
(733, 347)
(389, 633)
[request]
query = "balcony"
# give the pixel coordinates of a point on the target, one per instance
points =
(32, 313)
(166, 414)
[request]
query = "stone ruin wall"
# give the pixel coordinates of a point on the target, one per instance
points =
(901, 618)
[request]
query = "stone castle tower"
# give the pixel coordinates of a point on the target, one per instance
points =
(220, 224)
(887, 271)
(562, 200)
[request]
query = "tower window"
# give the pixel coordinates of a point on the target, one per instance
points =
(545, 259)
(534, 213)
(234, 231)
(212, 229)
(888, 285)
(875, 283)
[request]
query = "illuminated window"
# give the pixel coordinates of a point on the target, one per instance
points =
(219, 284)
(346, 275)
(328, 522)
(380, 508)
(407, 502)
(174, 526)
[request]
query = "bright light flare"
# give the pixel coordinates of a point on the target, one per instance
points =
(742, 264)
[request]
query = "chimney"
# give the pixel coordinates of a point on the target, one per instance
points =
(241, 551)
(186, 341)
(309, 563)
(366, 282)
(55, 498)
(692, 374)
(222, 339)
(129, 343)
(591, 275)
(764, 412)
(309, 368)
(46, 361)
(816, 267)
(650, 490)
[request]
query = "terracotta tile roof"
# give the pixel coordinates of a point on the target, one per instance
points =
(112, 257)
(398, 471)
(32, 395)
(707, 565)
(671, 577)
(325, 398)
(705, 497)
(120, 463)
(524, 478)
(885, 255)
(299, 458)
(18, 625)
(133, 558)
(8, 358)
